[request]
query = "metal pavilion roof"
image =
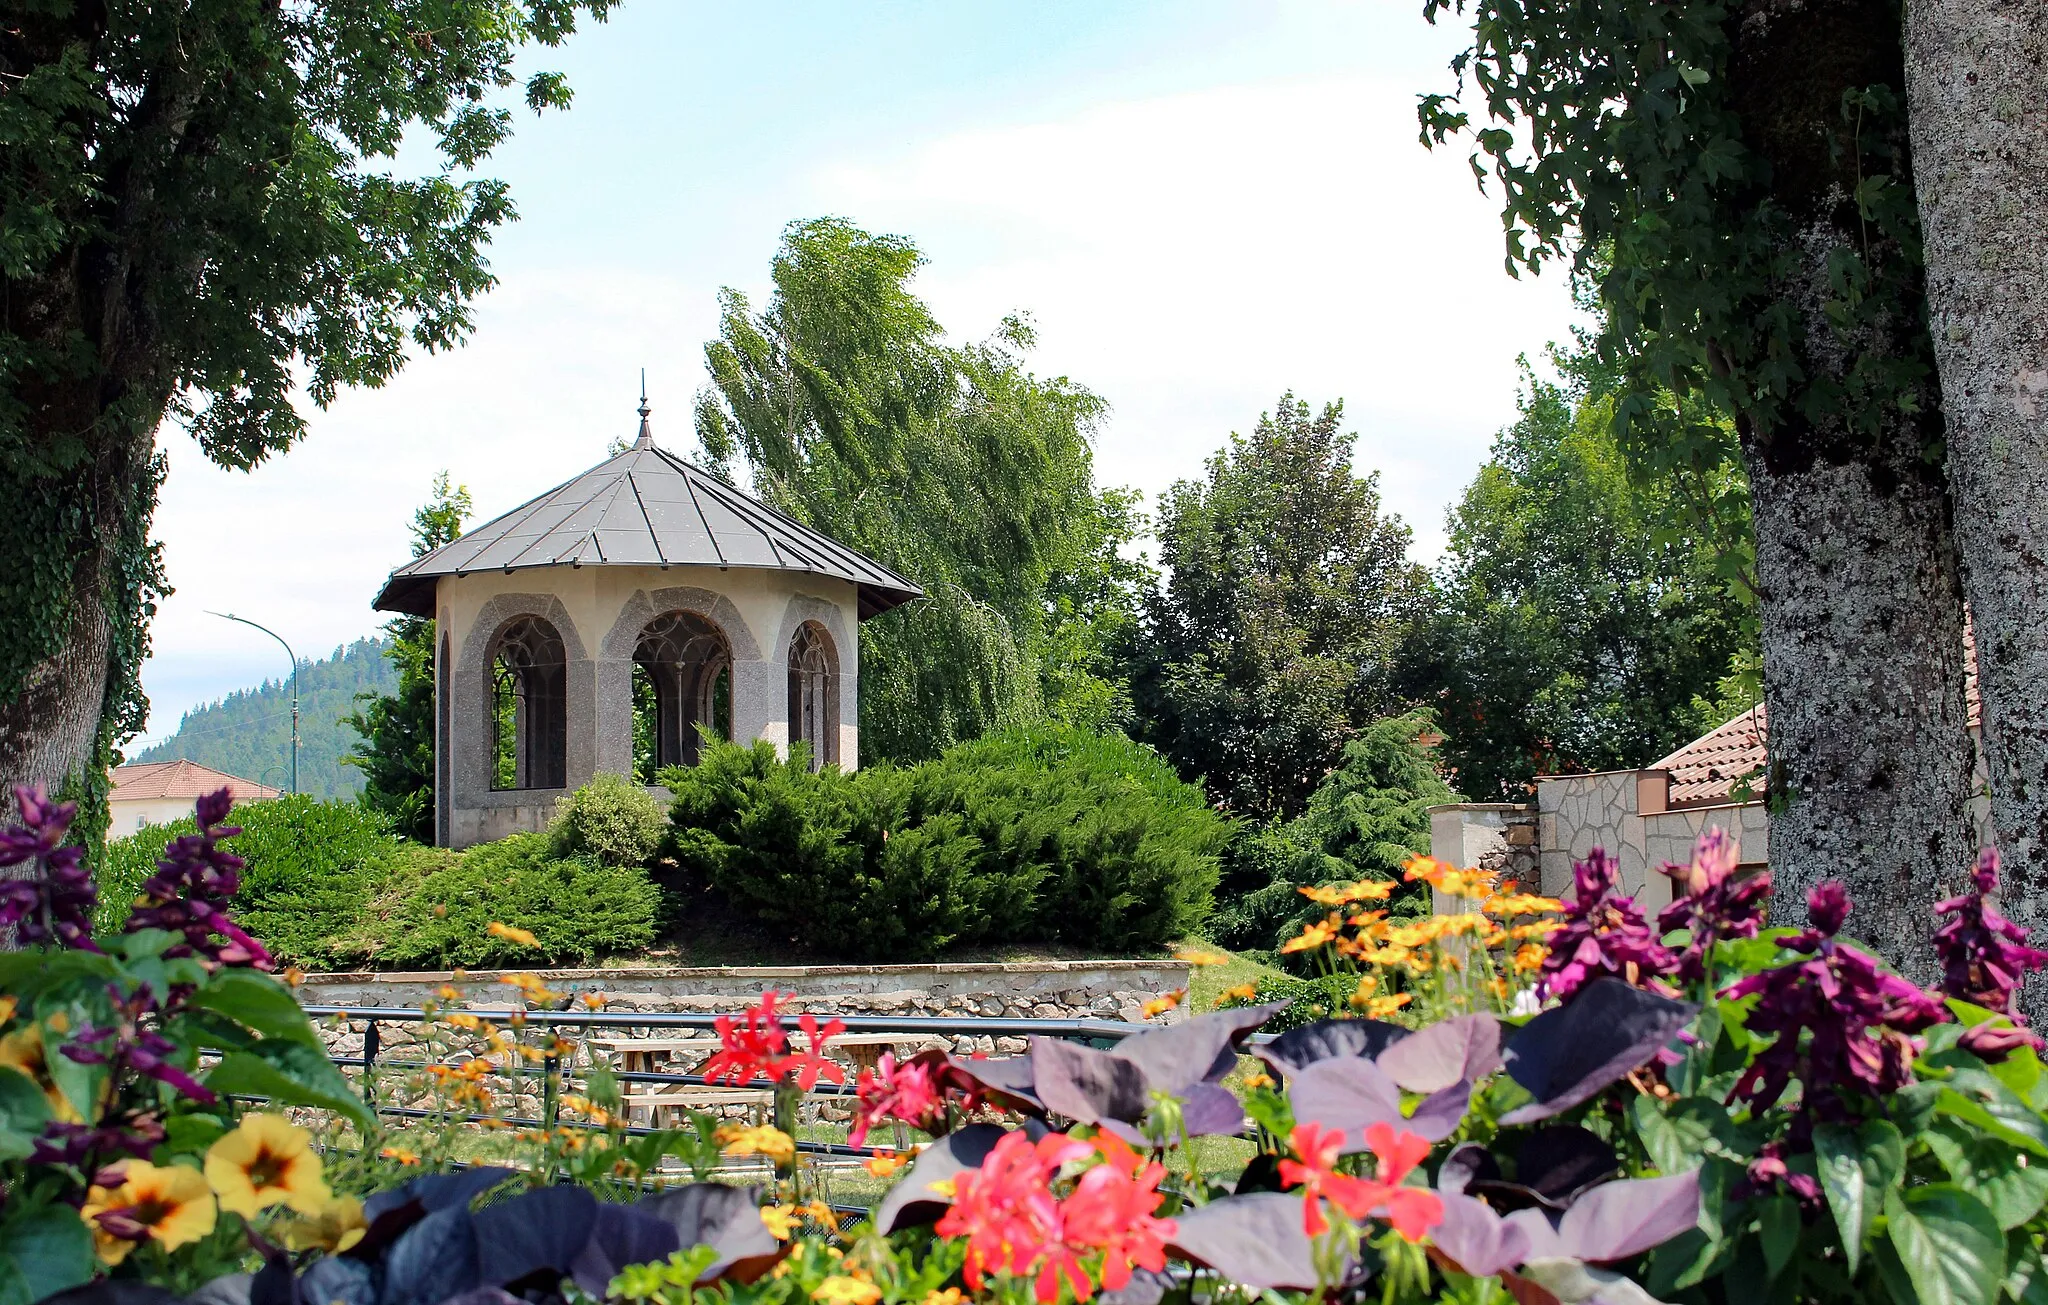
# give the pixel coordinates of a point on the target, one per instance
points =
(644, 507)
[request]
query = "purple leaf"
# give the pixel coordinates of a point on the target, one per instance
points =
(1297, 1049)
(1478, 1241)
(1617, 1220)
(1463, 1049)
(1540, 1228)
(723, 1218)
(1212, 1110)
(1565, 1055)
(1558, 1163)
(1468, 1163)
(1005, 1080)
(1202, 1050)
(911, 1201)
(1087, 1085)
(1347, 1094)
(623, 1235)
(1352, 1095)
(1256, 1241)
(532, 1239)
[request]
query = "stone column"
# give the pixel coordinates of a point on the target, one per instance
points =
(760, 702)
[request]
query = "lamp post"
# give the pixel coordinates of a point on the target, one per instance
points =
(230, 616)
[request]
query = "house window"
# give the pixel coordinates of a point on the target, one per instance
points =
(682, 690)
(529, 707)
(814, 695)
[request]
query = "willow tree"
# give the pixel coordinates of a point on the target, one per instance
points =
(201, 219)
(954, 465)
(1738, 178)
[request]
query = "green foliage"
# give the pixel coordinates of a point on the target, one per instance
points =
(1287, 593)
(249, 732)
(437, 909)
(311, 870)
(952, 465)
(610, 820)
(222, 172)
(1583, 618)
(1365, 821)
(1044, 834)
(397, 728)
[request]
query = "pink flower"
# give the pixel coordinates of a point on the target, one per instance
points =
(905, 1092)
(1111, 1211)
(1714, 902)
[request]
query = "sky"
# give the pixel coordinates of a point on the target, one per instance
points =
(1201, 204)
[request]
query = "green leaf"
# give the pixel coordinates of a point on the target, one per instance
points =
(1858, 1168)
(1975, 1097)
(80, 1083)
(1778, 1230)
(2024, 1280)
(1948, 1243)
(1990, 1169)
(192, 1134)
(258, 1001)
(1677, 1136)
(23, 1112)
(289, 1074)
(48, 1250)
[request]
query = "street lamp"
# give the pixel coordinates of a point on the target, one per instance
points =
(230, 616)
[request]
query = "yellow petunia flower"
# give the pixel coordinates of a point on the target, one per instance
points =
(266, 1160)
(781, 1220)
(7, 1008)
(334, 1228)
(841, 1290)
(499, 929)
(169, 1205)
(23, 1051)
(761, 1139)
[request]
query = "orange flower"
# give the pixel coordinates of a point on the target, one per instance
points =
(400, 1154)
(1506, 904)
(883, 1164)
(594, 1000)
(1426, 868)
(780, 1220)
(530, 984)
(1162, 1004)
(1529, 957)
(497, 929)
(1201, 956)
(1242, 992)
(1380, 1008)
(1320, 934)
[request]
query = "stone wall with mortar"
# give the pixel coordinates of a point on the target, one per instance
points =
(1110, 990)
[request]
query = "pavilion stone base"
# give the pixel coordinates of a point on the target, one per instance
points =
(1112, 990)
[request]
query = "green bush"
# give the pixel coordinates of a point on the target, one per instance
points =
(437, 912)
(610, 819)
(1047, 834)
(1369, 816)
(312, 868)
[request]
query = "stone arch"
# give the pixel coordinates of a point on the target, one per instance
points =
(813, 670)
(840, 697)
(526, 688)
(683, 664)
(469, 718)
(624, 636)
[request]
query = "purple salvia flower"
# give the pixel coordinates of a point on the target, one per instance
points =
(1768, 1173)
(1984, 956)
(1859, 1019)
(1603, 933)
(55, 904)
(1714, 903)
(190, 890)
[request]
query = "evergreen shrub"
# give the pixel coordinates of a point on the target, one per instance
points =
(312, 868)
(437, 911)
(1042, 834)
(610, 819)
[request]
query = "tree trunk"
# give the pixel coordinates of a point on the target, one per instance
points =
(1975, 73)
(1862, 614)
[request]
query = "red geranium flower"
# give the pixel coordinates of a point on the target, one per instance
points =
(1412, 1211)
(756, 1047)
(891, 1091)
(1111, 1211)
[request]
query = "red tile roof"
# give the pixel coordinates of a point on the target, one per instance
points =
(1709, 768)
(182, 779)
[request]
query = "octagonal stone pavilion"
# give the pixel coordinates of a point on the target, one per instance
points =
(646, 594)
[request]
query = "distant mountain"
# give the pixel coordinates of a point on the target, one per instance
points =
(249, 732)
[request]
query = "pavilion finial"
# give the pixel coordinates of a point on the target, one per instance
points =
(646, 440)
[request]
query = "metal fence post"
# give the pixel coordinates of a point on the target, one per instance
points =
(372, 1044)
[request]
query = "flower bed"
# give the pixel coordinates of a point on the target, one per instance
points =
(1537, 1101)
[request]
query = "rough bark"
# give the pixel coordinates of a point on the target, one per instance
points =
(1862, 612)
(1976, 73)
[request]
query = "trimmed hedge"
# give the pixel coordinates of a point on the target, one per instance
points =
(312, 869)
(1046, 834)
(438, 911)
